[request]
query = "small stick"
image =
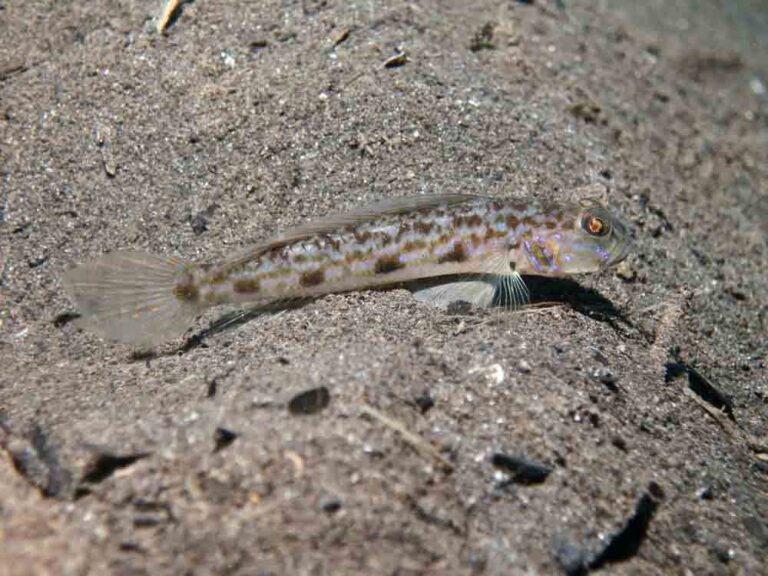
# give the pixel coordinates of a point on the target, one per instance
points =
(757, 445)
(169, 7)
(418, 443)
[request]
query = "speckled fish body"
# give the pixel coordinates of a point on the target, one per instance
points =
(132, 296)
(442, 240)
(474, 236)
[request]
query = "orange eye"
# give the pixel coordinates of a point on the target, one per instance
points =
(595, 226)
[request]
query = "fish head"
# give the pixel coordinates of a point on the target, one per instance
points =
(588, 238)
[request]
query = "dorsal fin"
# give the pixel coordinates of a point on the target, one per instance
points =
(328, 224)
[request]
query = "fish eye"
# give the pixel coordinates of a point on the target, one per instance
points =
(595, 226)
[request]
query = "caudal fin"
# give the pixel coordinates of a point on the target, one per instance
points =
(131, 297)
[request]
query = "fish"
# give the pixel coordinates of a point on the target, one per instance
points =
(476, 247)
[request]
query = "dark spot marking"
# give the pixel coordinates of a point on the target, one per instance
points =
(476, 240)
(362, 237)
(186, 291)
(550, 224)
(459, 221)
(458, 254)
(497, 206)
(414, 245)
(512, 222)
(475, 220)
(312, 278)
(218, 276)
(246, 285)
(423, 227)
(492, 233)
(355, 256)
(387, 264)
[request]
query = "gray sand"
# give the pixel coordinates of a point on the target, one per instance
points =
(643, 390)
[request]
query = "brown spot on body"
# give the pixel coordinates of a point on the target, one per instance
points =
(476, 240)
(512, 222)
(459, 221)
(218, 276)
(186, 291)
(414, 245)
(550, 224)
(492, 234)
(356, 256)
(423, 227)
(496, 206)
(387, 264)
(246, 285)
(362, 237)
(458, 254)
(312, 278)
(475, 220)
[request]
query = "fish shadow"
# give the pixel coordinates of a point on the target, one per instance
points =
(544, 291)
(568, 292)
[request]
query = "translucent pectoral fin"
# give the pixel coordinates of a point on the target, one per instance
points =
(479, 293)
(512, 293)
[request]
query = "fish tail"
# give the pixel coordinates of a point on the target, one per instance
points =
(134, 297)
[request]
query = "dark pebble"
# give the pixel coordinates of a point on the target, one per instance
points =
(310, 401)
(223, 438)
(523, 470)
(425, 402)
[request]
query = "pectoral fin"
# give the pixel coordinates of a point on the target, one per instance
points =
(476, 292)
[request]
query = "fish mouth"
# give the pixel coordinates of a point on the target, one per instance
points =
(623, 247)
(621, 254)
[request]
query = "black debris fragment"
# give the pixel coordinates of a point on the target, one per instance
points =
(625, 543)
(577, 559)
(607, 378)
(424, 402)
(700, 385)
(331, 506)
(65, 318)
(223, 438)
(310, 401)
(104, 463)
(523, 470)
(258, 44)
